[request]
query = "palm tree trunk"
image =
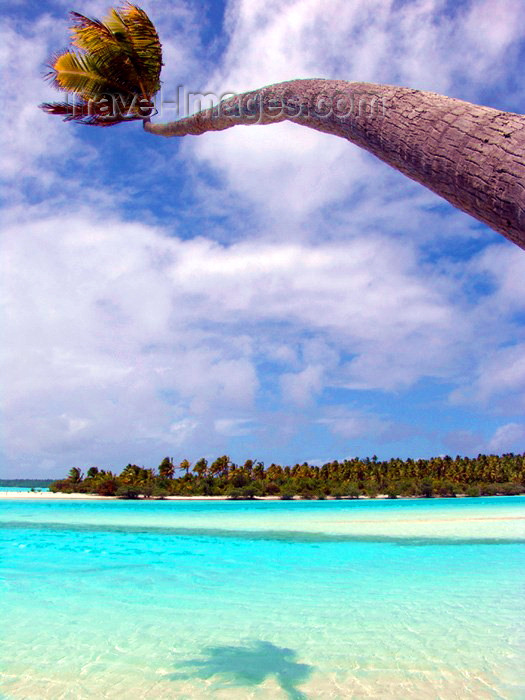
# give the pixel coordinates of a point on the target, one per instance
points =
(472, 156)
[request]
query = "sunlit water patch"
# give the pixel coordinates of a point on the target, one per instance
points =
(406, 599)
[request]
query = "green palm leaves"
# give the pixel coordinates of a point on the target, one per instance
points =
(114, 70)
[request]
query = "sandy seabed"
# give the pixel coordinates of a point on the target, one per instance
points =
(116, 608)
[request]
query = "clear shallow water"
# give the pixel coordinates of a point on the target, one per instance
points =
(397, 599)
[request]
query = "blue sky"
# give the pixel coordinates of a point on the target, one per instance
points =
(267, 292)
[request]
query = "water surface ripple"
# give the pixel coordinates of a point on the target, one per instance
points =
(269, 600)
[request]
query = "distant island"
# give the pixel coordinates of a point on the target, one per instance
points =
(484, 475)
(26, 483)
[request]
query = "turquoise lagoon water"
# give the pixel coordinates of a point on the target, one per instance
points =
(292, 600)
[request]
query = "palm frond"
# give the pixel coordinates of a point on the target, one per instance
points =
(139, 40)
(82, 74)
(89, 113)
(116, 24)
(91, 35)
(146, 45)
(120, 56)
(109, 54)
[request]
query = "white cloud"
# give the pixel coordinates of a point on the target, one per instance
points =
(500, 379)
(181, 431)
(491, 26)
(30, 140)
(507, 438)
(301, 387)
(118, 330)
(352, 424)
(233, 427)
(503, 267)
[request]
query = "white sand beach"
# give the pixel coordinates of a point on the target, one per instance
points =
(48, 495)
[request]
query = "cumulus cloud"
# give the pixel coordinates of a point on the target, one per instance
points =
(500, 380)
(233, 427)
(122, 335)
(31, 141)
(352, 424)
(507, 438)
(117, 329)
(301, 387)
(498, 276)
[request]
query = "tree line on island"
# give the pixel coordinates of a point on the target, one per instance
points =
(484, 475)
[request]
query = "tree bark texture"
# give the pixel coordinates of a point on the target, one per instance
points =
(472, 156)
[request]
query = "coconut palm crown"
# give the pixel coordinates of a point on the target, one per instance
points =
(114, 69)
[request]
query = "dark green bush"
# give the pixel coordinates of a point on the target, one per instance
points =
(127, 492)
(512, 488)
(338, 493)
(407, 487)
(233, 493)
(371, 490)
(392, 492)
(447, 489)
(473, 491)
(272, 489)
(244, 493)
(509, 488)
(160, 492)
(426, 488)
(352, 490)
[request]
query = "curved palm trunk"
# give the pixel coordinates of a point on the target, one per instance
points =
(472, 156)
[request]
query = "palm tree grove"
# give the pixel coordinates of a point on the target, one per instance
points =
(487, 475)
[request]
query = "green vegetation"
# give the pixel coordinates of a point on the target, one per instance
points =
(485, 475)
(113, 69)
